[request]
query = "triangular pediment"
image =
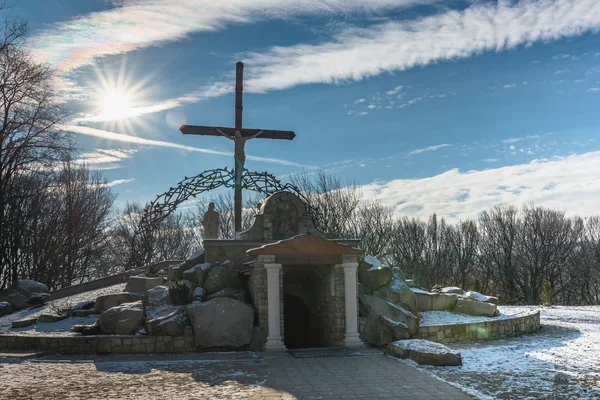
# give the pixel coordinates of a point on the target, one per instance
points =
(305, 246)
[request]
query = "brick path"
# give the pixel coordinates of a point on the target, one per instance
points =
(217, 376)
(372, 376)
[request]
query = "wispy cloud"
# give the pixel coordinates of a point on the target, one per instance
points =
(119, 182)
(135, 24)
(509, 85)
(567, 183)
(113, 136)
(430, 148)
(594, 90)
(396, 46)
(99, 158)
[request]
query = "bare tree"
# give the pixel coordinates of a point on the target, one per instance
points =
(31, 141)
(333, 202)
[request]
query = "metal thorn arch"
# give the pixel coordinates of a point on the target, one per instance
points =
(165, 204)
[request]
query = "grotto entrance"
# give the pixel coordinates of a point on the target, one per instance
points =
(304, 306)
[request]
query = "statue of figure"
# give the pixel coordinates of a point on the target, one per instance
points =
(211, 222)
(239, 154)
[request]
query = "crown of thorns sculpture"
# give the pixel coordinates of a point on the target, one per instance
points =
(166, 203)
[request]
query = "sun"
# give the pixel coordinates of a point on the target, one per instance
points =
(115, 105)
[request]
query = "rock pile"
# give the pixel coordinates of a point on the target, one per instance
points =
(27, 293)
(389, 308)
(208, 299)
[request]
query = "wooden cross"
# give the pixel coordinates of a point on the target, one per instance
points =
(239, 135)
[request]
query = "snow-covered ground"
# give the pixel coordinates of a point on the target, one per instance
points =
(561, 361)
(449, 318)
(55, 328)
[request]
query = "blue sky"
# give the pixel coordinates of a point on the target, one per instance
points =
(432, 106)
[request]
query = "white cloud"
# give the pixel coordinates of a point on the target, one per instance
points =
(509, 85)
(135, 24)
(357, 53)
(567, 183)
(512, 148)
(113, 136)
(119, 182)
(594, 90)
(372, 106)
(104, 156)
(359, 101)
(490, 160)
(394, 91)
(561, 71)
(430, 148)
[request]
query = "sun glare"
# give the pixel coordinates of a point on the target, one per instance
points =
(115, 105)
(118, 95)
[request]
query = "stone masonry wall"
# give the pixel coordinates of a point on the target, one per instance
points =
(101, 344)
(497, 329)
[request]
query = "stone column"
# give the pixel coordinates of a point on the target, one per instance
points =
(274, 339)
(351, 338)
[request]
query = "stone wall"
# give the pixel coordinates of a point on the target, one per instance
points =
(496, 329)
(91, 285)
(100, 344)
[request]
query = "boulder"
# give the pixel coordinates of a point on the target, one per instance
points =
(169, 321)
(18, 297)
(16, 300)
(472, 295)
(159, 295)
(236, 294)
(138, 284)
(380, 331)
(181, 292)
(23, 322)
(47, 318)
(195, 258)
(424, 352)
(107, 301)
(426, 301)
(221, 322)
(220, 277)
(27, 286)
(373, 274)
(476, 308)
(37, 299)
(5, 308)
(198, 294)
(397, 292)
(362, 289)
(124, 319)
(452, 290)
(376, 305)
(197, 273)
(174, 272)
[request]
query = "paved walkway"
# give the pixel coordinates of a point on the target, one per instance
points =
(218, 376)
(371, 376)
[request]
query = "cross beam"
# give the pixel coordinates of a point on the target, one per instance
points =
(244, 135)
(212, 131)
